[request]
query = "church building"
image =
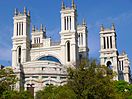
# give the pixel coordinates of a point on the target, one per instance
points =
(39, 61)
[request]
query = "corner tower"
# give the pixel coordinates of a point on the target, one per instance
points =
(21, 42)
(108, 51)
(69, 45)
(21, 37)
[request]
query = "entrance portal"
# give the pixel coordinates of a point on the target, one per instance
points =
(30, 88)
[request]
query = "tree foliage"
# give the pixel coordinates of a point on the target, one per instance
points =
(56, 92)
(91, 81)
(88, 81)
(7, 80)
(123, 89)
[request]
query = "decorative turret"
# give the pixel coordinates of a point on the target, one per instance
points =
(113, 27)
(16, 12)
(45, 29)
(73, 5)
(62, 5)
(41, 27)
(123, 52)
(25, 11)
(33, 28)
(28, 13)
(84, 22)
(102, 28)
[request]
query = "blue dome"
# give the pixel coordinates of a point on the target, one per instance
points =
(49, 58)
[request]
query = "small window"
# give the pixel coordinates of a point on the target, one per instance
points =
(104, 43)
(19, 54)
(54, 77)
(35, 77)
(44, 76)
(68, 51)
(111, 41)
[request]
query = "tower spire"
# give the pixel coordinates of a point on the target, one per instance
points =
(102, 27)
(113, 26)
(25, 11)
(33, 28)
(41, 27)
(16, 12)
(62, 5)
(44, 28)
(73, 4)
(28, 13)
(84, 22)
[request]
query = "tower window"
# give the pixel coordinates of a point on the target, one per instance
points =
(107, 42)
(81, 39)
(17, 29)
(104, 43)
(122, 65)
(70, 22)
(111, 41)
(19, 54)
(68, 51)
(65, 23)
(22, 28)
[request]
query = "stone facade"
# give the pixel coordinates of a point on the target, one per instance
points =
(39, 61)
(110, 57)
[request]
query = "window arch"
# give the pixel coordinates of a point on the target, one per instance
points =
(109, 65)
(49, 58)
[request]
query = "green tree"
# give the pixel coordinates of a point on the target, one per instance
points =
(56, 92)
(123, 89)
(91, 81)
(7, 79)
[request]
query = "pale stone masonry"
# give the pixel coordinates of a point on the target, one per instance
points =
(110, 57)
(38, 61)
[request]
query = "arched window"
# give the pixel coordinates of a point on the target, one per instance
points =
(19, 54)
(49, 58)
(109, 65)
(68, 51)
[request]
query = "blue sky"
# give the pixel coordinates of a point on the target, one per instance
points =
(96, 12)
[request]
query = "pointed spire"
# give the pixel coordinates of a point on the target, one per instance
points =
(45, 29)
(33, 28)
(102, 27)
(16, 12)
(84, 22)
(73, 5)
(62, 5)
(113, 26)
(123, 52)
(41, 27)
(28, 13)
(25, 11)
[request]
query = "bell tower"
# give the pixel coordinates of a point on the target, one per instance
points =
(21, 43)
(69, 45)
(21, 37)
(108, 51)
